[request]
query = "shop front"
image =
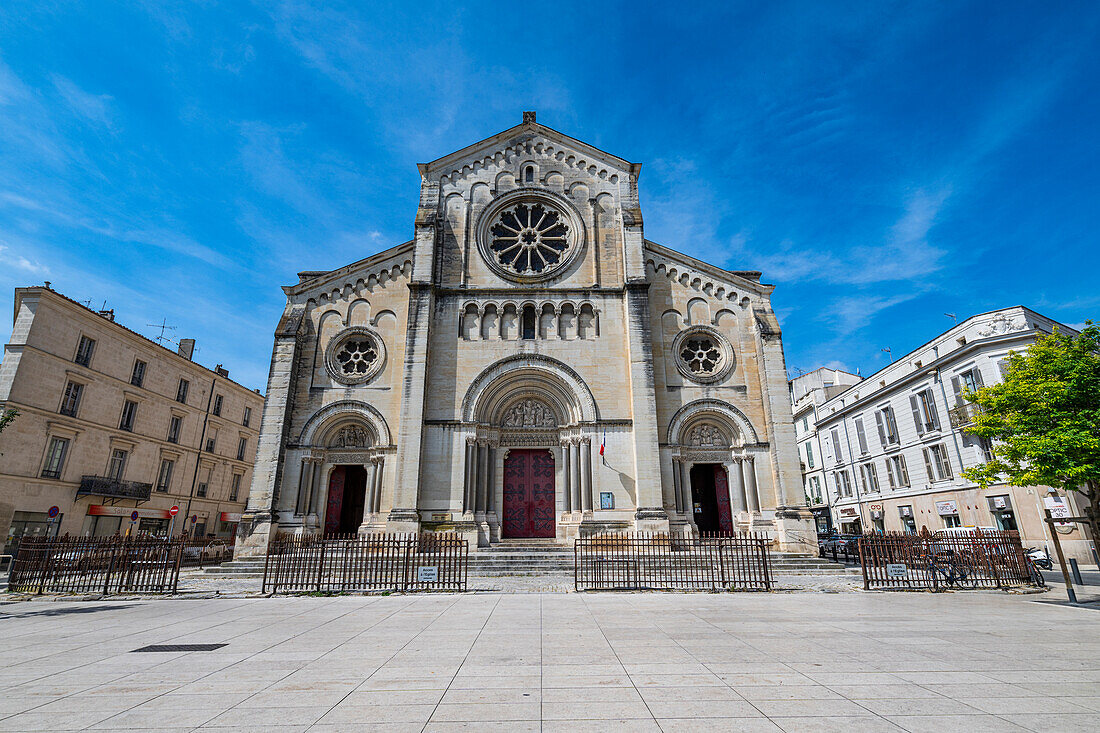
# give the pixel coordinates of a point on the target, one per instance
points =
(949, 513)
(105, 521)
(30, 524)
(822, 519)
(849, 520)
(227, 526)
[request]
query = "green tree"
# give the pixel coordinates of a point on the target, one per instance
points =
(7, 416)
(1045, 419)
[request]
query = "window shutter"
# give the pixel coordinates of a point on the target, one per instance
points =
(978, 377)
(903, 472)
(933, 413)
(1002, 367)
(880, 426)
(861, 436)
(945, 462)
(891, 425)
(956, 387)
(890, 474)
(928, 466)
(836, 445)
(810, 455)
(916, 414)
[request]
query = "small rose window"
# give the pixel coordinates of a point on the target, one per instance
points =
(355, 356)
(703, 354)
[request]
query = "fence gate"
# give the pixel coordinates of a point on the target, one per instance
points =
(990, 559)
(371, 562)
(662, 562)
(96, 565)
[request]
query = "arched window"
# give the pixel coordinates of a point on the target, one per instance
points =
(528, 322)
(529, 174)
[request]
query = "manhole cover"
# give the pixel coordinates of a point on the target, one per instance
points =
(179, 648)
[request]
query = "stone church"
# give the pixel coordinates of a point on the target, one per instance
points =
(529, 365)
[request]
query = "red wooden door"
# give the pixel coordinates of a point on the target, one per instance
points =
(335, 501)
(528, 494)
(722, 496)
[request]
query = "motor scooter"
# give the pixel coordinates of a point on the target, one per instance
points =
(1040, 557)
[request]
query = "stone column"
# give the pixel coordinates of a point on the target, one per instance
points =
(586, 474)
(469, 477)
(567, 477)
(303, 486)
(482, 476)
(320, 492)
(372, 490)
(685, 489)
(677, 497)
(378, 476)
(748, 471)
(491, 489)
(575, 480)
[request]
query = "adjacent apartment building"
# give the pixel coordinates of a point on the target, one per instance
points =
(895, 444)
(111, 423)
(808, 392)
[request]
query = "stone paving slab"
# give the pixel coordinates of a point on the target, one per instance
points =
(554, 662)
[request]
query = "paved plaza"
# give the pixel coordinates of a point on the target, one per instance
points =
(516, 662)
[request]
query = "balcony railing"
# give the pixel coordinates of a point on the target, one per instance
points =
(114, 488)
(963, 415)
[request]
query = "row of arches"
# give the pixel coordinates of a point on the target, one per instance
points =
(529, 321)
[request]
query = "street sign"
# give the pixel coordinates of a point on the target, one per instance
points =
(173, 511)
(427, 574)
(53, 512)
(1059, 509)
(133, 516)
(194, 518)
(895, 570)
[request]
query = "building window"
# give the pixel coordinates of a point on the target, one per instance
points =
(201, 490)
(868, 476)
(861, 436)
(181, 391)
(174, 425)
(529, 174)
(805, 424)
(835, 434)
(211, 441)
(529, 238)
(247, 416)
(218, 405)
(887, 426)
(200, 529)
(84, 351)
(55, 457)
(129, 412)
(354, 356)
(924, 411)
(968, 381)
(843, 483)
(937, 462)
(528, 322)
(242, 446)
(137, 378)
(951, 520)
(164, 478)
(117, 466)
(71, 401)
(810, 455)
(815, 482)
(896, 472)
(235, 487)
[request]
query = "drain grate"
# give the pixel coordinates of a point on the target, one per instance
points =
(180, 648)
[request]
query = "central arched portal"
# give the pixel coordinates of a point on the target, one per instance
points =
(529, 497)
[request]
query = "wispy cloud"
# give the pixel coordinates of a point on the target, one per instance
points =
(21, 262)
(94, 108)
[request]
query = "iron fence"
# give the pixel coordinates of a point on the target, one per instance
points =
(665, 562)
(371, 562)
(205, 551)
(96, 565)
(982, 559)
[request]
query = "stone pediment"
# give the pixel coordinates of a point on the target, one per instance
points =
(366, 274)
(528, 140)
(735, 287)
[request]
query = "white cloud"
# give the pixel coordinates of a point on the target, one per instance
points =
(21, 262)
(94, 108)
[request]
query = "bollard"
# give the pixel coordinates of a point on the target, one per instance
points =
(1076, 571)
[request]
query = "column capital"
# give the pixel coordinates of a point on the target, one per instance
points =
(586, 440)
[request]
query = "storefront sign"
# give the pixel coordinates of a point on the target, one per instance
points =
(1000, 502)
(945, 508)
(876, 507)
(231, 517)
(98, 510)
(848, 511)
(905, 511)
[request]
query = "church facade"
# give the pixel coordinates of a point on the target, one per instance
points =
(528, 366)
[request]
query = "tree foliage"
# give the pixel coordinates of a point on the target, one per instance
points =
(7, 416)
(1045, 419)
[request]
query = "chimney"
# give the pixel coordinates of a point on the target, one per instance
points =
(109, 315)
(221, 371)
(187, 348)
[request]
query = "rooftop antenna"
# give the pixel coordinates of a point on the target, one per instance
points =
(163, 326)
(952, 317)
(890, 354)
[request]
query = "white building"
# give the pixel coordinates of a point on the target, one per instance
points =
(808, 392)
(895, 444)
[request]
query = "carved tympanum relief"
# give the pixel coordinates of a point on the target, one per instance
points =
(351, 436)
(707, 436)
(529, 414)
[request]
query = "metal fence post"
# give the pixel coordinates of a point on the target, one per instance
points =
(321, 564)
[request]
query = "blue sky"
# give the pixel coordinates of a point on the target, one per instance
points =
(882, 163)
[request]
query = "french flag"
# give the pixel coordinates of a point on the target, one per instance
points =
(603, 443)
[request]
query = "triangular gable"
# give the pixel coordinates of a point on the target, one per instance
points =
(676, 265)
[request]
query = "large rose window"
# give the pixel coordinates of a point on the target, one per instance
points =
(529, 238)
(355, 355)
(703, 354)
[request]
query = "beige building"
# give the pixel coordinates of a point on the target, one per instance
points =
(527, 366)
(111, 423)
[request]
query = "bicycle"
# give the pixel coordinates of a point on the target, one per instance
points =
(951, 573)
(1034, 576)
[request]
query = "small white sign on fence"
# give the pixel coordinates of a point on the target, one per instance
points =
(895, 570)
(427, 574)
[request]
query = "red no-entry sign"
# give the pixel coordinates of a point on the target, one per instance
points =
(173, 511)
